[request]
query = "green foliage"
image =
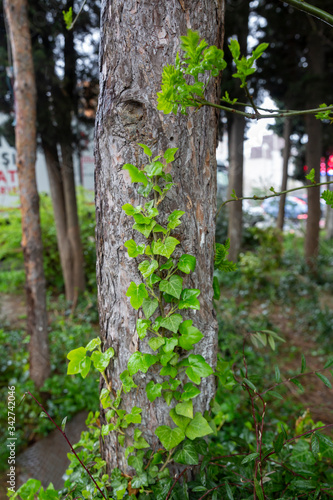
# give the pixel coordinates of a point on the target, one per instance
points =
(12, 275)
(68, 18)
(328, 197)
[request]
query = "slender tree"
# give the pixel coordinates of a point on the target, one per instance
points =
(25, 139)
(136, 41)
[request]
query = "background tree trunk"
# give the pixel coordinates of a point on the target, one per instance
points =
(314, 148)
(236, 160)
(25, 141)
(137, 39)
(286, 154)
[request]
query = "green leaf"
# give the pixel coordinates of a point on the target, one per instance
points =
(127, 381)
(170, 344)
(141, 444)
(134, 417)
(130, 210)
(173, 286)
(198, 368)
(174, 219)
(249, 384)
(181, 421)
(141, 219)
(135, 174)
(170, 438)
(188, 299)
(152, 279)
(168, 396)
(172, 322)
(68, 18)
(187, 455)
(85, 366)
(140, 361)
(275, 394)
(75, 356)
(250, 458)
(93, 344)
(169, 370)
(278, 442)
(277, 374)
(187, 263)
(145, 229)
(167, 265)
(142, 326)
(303, 367)
(133, 249)
(137, 293)
(229, 492)
(298, 385)
(311, 176)
(159, 229)
(169, 155)
(153, 390)
(315, 445)
(147, 267)
(190, 391)
(198, 427)
(165, 249)
(154, 168)
(324, 380)
(189, 335)
(145, 149)
(185, 409)
(216, 288)
(149, 306)
(156, 342)
(101, 360)
(258, 489)
(327, 196)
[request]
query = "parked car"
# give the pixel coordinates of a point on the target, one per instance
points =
(295, 208)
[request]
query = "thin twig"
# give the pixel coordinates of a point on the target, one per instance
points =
(324, 16)
(276, 193)
(175, 482)
(77, 15)
(71, 447)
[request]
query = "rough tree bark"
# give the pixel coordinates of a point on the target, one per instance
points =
(25, 141)
(314, 149)
(137, 39)
(286, 154)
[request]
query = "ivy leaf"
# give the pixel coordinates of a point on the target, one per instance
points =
(147, 267)
(145, 229)
(167, 265)
(173, 286)
(188, 299)
(169, 155)
(156, 342)
(185, 409)
(159, 229)
(174, 219)
(190, 391)
(140, 361)
(154, 168)
(186, 263)
(145, 149)
(181, 421)
(145, 191)
(170, 344)
(141, 219)
(198, 427)
(134, 417)
(130, 210)
(170, 438)
(137, 293)
(189, 335)
(187, 455)
(168, 395)
(140, 444)
(152, 279)
(75, 356)
(133, 249)
(172, 322)
(142, 326)
(93, 344)
(153, 390)
(135, 174)
(102, 359)
(149, 306)
(169, 370)
(198, 368)
(165, 249)
(85, 366)
(127, 381)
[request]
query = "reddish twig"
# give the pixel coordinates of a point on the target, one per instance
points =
(175, 482)
(71, 447)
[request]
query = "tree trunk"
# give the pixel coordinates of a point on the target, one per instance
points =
(60, 218)
(137, 39)
(314, 149)
(25, 140)
(286, 154)
(236, 159)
